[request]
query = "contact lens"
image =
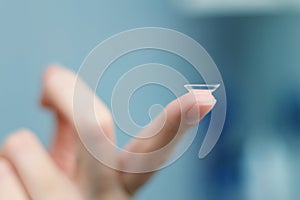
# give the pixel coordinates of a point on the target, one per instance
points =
(202, 87)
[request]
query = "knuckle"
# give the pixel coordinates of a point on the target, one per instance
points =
(102, 120)
(106, 126)
(106, 123)
(55, 73)
(95, 130)
(51, 72)
(18, 141)
(51, 75)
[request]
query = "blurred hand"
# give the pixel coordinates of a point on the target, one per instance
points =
(68, 171)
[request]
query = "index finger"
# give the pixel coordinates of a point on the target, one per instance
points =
(178, 117)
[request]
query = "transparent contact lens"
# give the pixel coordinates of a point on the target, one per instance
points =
(206, 88)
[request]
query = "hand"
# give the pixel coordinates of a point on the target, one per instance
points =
(68, 171)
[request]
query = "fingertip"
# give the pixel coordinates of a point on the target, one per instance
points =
(205, 109)
(199, 106)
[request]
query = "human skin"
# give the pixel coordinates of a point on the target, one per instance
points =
(67, 170)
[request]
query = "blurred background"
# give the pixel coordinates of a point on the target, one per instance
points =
(255, 45)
